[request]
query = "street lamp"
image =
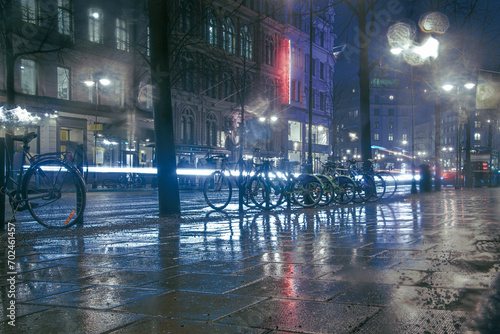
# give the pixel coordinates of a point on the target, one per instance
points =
(468, 172)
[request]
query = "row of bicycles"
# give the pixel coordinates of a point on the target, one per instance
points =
(264, 186)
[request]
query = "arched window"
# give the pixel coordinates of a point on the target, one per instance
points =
(228, 36)
(246, 44)
(186, 17)
(211, 29)
(211, 130)
(187, 127)
(269, 49)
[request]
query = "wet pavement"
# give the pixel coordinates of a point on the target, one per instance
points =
(425, 263)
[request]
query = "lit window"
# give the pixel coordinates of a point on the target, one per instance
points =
(29, 11)
(28, 76)
(122, 37)
(376, 136)
(211, 29)
(477, 136)
(64, 18)
(294, 131)
(95, 25)
(391, 137)
(63, 83)
(228, 36)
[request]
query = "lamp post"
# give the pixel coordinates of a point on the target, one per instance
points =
(416, 54)
(469, 85)
(95, 82)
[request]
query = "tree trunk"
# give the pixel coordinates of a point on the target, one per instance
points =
(364, 85)
(9, 56)
(168, 187)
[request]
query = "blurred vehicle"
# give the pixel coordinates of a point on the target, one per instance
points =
(448, 178)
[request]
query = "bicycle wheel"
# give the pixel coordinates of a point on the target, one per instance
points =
(266, 190)
(328, 190)
(379, 189)
(391, 185)
(365, 187)
(307, 190)
(345, 189)
(55, 193)
(217, 190)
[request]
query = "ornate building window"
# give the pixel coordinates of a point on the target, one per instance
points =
(246, 43)
(187, 127)
(65, 17)
(29, 11)
(211, 29)
(211, 82)
(122, 35)
(269, 48)
(186, 16)
(187, 76)
(95, 25)
(211, 130)
(228, 37)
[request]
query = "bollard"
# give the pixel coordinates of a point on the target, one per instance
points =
(425, 179)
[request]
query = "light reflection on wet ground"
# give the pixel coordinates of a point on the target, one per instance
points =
(420, 263)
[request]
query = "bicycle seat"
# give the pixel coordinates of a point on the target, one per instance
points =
(25, 138)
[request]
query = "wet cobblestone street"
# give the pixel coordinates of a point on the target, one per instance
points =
(425, 263)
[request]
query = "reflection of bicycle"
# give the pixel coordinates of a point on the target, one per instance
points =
(51, 188)
(128, 180)
(131, 180)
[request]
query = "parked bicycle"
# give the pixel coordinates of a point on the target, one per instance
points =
(341, 188)
(370, 187)
(270, 188)
(51, 188)
(218, 186)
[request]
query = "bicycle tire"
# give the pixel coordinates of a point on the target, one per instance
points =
(365, 187)
(217, 190)
(328, 190)
(345, 190)
(379, 188)
(307, 190)
(391, 184)
(55, 193)
(266, 190)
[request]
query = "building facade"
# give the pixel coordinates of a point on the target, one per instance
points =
(82, 67)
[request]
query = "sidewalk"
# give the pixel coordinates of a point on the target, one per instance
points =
(427, 263)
